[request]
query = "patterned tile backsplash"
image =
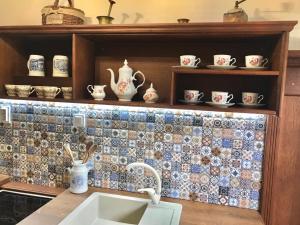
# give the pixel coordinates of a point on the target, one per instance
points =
(210, 157)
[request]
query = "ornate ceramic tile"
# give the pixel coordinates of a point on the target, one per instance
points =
(201, 156)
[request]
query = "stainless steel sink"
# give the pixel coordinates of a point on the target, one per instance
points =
(109, 209)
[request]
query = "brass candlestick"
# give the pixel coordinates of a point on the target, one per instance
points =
(107, 19)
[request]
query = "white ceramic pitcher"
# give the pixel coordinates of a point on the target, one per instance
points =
(78, 177)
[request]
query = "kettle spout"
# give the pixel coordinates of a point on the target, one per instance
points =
(113, 84)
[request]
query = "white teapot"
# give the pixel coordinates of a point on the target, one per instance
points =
(124, 88)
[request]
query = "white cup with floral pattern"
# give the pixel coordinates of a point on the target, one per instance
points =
(253, 61)
(250, 98)
(220, 97)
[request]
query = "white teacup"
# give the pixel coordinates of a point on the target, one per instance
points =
(250, 98)
(35, 65)
(24, 91)
(253, 61)
(67, 92)
(219, 97)
(60, 66)
(11, 89)
(189, 60)
(193, 95)
(97, 91)
(51, 92)
(224, 60)
(39, 91)
(23, 87)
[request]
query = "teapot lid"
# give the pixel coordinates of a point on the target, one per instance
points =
(151, 88)
(125, 67)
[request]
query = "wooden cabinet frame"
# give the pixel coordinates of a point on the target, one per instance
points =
(154, 49)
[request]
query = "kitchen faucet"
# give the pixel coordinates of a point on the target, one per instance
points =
(154, 195)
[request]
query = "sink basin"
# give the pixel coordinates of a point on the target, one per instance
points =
(109, 209)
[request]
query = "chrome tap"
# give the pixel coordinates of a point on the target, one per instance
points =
(154, 195)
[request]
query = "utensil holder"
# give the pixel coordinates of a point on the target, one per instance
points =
(78, 177)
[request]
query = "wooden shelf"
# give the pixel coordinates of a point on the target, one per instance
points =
(152, 49)
(180, 70)
(202, 107)
(249, 29)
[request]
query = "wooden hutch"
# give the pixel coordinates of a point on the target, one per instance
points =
(155, 49)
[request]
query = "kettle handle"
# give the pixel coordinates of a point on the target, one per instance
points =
(136, 73)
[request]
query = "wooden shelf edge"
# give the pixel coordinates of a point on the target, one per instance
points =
(155, 105)
(162, 28)
(178, 70)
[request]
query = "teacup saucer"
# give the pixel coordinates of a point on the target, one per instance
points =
(215, 67)
(220, 105)
(254, 68)
(193, 67)
(251, 105)
(190, 103)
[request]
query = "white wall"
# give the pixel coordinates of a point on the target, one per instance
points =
(27, 12)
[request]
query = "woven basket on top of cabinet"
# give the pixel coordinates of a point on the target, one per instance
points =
(55, 14)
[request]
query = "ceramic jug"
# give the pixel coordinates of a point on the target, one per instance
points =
(60, 66)
(124, 88)
(97, 91)
(78, 177)
(35, 65)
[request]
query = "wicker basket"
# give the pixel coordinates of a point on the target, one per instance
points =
(55, 14)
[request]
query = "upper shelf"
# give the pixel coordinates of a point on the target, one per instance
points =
(253, 29)
(180, 70)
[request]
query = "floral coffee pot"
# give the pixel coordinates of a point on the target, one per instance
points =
(124, 88)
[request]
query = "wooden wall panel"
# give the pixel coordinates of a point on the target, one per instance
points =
(269, 157)
(286, 183)
(292, 85)
(83, 66)
(285, 201)
(11, 62)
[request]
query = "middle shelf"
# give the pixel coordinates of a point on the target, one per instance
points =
(202, 107)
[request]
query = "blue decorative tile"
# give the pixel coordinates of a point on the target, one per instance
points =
(124, 115)
(202, 156)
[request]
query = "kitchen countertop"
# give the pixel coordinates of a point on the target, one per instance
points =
(193, 213)
(3, 179)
